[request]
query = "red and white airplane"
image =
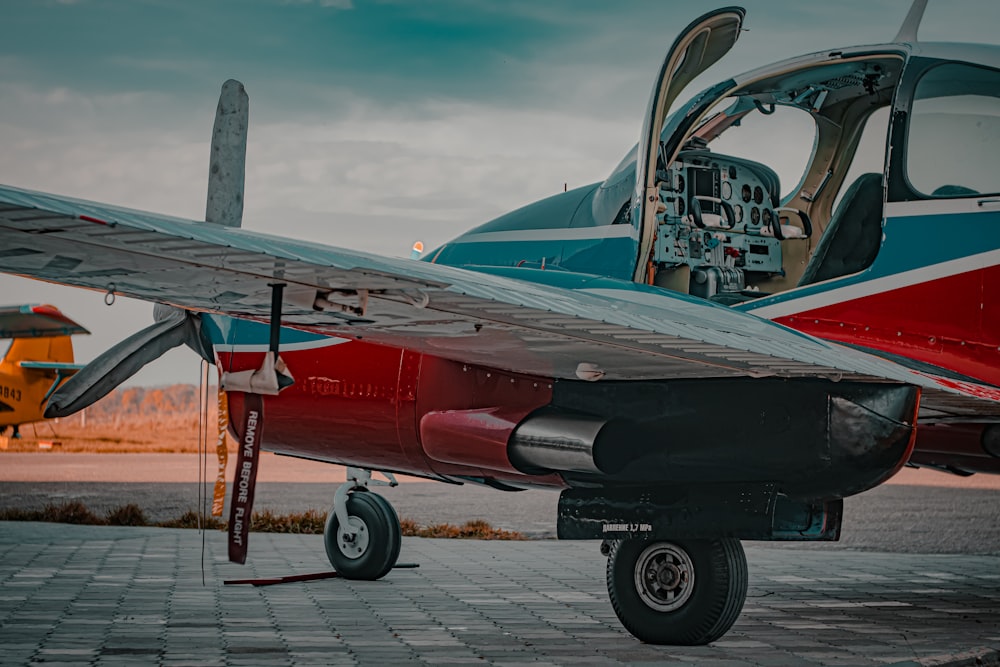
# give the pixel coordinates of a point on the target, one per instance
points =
(689, 352)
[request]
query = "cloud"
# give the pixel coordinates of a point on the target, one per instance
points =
(442, 170)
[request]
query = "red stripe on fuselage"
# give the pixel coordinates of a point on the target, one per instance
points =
(951, 322)
(360, 404)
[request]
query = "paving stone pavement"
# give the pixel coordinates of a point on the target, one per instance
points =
(129, 596)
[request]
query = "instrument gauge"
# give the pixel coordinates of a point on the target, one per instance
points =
(738, 212)
(766, 218)
(732, 171)
(679, 185)
(745, 193)
(727, 190)
(758, 195)
(680, 206)
(755, 216)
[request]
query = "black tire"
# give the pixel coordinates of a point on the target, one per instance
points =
(692, 591)
(376, 549)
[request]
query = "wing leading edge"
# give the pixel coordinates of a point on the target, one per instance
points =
(618, 331)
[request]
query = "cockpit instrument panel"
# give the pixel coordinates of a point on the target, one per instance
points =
(718, 212)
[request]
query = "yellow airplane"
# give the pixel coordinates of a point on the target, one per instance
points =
(39, 359)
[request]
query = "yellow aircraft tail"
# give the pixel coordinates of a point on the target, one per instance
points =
(55, 348)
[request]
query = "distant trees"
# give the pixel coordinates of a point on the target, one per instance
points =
(166, 403)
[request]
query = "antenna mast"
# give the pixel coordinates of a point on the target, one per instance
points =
(908, 31)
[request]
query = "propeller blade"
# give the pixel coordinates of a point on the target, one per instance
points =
(103, 374)
(227, 164)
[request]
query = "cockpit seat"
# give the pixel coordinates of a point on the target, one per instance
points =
(851, 240)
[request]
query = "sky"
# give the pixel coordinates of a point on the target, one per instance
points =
(373, 123)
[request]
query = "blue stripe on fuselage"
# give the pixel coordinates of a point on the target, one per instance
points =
(610, 257)
(226, 331)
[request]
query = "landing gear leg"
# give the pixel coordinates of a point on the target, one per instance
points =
(687, 592)
(362, 533)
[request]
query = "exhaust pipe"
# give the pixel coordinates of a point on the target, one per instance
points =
(569, 442)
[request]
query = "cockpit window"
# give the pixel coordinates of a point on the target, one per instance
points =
(953, 142)
(783, 137)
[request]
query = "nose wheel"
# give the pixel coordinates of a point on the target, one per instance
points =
(362, 534)
(684, 592)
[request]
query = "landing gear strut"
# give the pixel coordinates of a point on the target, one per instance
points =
(362, 533)
(685, 592)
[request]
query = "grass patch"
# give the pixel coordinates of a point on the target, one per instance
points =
(193, 520)
(77, 513)
(309, 522)
(127, 515)
(477, 529)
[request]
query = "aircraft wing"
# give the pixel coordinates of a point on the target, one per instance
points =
(589, 330)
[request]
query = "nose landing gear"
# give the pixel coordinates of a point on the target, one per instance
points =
(362, 533)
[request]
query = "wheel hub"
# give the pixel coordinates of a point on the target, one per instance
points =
(664, 576)
(668, 575)
(353, 542)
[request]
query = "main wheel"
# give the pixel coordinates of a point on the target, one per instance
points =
(374, 547)
(686, 592)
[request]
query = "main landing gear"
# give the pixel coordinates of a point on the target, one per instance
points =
(362, 533)
(685, 592)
